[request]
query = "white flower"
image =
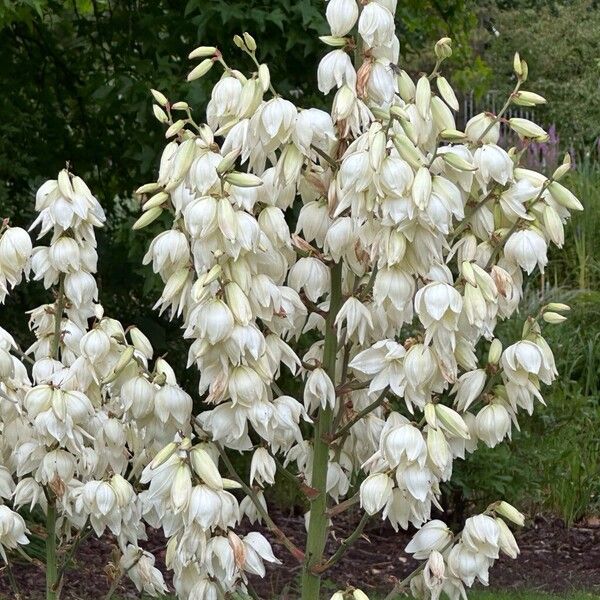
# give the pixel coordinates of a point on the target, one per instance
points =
(341, 16)
(481, 534)
(527, 248)
(494, 164)
(468, 388)
(262, 467)
(483, 125)
(318, 390)
(434, 574)
(376, 25)
(310, 275)
(335, 70)
(139, 566)
(434, 535)
(357, 318)
(524, 359)
(12, 530)
(375, 492)
(380, 86)
(468, 565)
(492, 424)
(313, 127)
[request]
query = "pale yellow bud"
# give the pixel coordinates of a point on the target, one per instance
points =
(238, 41)
(406, 86)
(447, 93)
(175, 128)
(202, 52)
(243, 179)
(407, 150)
(558, 307)
(528, 129)
(200, 70)
(228, 161)
(443, 48)
(160, 115)
(517, 65)
(159, 97)
(205, 468)
(250, 41)
(264, 77)
(335, 42)
(155, 200)
(495, 351)
(453, 135)
(180, 106)
(429, 413)
(147, 218)
(523, 98)
(554, 318)
(458, 162)
(506, 510)
(468, 273)
(163, 455)
(148, 188)
(564, 197)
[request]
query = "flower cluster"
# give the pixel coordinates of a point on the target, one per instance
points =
(365, 254)
(410, 244)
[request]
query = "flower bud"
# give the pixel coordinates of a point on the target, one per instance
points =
(141, 342)
(558, 307)
(249, 41)
(156, 200)
(200, 70)
(148, 188)
(523, 98)
(180, 106)
(553, 318)
(147, 218)
(423, 97)
(406, 86)
(264, 77)
(508, 511)
(528, 129)
(564, 196)
(160, 114)
(243, 179)
(495, 352)
(205, 468)
(451, 421)
(447, 93)
(443, 48)
(430, 416)
(175, 128)
(159, 97)
(228, 161)
(335, 42)
(359, 595)
(202, 52)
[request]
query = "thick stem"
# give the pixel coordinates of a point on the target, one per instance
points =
(51, 564)
(318, 527)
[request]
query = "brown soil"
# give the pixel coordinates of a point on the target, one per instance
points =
(553, 558)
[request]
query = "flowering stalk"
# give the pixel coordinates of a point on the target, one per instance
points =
(318, 521)
(52, 578)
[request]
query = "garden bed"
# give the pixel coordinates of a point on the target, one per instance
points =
(553, 559)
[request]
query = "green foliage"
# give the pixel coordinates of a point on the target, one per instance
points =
(561, 43)
(78, 76)
(553, 463)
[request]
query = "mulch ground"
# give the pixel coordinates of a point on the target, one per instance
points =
(553, 559)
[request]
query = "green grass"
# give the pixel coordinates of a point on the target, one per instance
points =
(524, 595)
